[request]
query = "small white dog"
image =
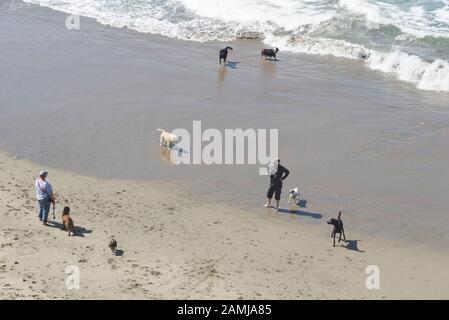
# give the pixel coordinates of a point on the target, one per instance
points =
(168, 139)
(294, 196)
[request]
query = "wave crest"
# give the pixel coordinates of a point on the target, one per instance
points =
(432, 76)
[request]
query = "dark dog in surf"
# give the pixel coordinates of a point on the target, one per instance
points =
(338, 228)
(269, 53)
(224, 55)
(67, 221)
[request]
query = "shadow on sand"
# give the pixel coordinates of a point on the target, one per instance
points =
(302, 213)
(79, 231)
(352, 245)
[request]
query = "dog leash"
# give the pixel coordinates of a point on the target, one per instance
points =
(54, 204)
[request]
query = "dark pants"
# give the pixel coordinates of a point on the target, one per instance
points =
(276, 190)
(44, 209)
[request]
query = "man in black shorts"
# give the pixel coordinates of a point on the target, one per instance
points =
(275, 188)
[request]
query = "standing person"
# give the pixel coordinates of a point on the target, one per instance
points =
(44, 195)
(276, 179)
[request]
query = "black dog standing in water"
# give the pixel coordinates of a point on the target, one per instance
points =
(338, 228)
(224, 55)
(270, 53)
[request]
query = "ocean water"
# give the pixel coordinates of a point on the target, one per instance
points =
(406, 38)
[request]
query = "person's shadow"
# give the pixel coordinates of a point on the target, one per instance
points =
(79, 231)
(302, 213)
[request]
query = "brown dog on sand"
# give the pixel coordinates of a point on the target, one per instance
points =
(67, 221)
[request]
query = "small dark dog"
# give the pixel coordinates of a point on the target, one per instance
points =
(364, 55)
(224, 55)
(113, 245)
(67, 221)
(269, 53)
(338, 228)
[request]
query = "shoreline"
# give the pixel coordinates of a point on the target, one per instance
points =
(189, 250)
(423, 74)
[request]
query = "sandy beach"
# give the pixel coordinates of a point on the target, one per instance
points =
(189, 250)
(86, 104)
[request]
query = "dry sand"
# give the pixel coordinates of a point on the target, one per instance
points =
(175, 248)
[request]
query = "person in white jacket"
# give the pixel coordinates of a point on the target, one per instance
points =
(44, 195)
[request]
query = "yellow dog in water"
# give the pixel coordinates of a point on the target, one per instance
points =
(168, 139)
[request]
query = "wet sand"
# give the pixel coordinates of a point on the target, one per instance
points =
(88, 102)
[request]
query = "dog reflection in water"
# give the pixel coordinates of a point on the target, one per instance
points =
(166, 154)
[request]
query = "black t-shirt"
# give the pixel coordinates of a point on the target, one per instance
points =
(280, 174)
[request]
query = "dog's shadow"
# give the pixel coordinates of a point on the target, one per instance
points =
(272, 60)
(302, 213)
(79, 231)
(302, 203)
(352, 245)
(119, 253)
(174, 148)
(232, 64)
(178, 150)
